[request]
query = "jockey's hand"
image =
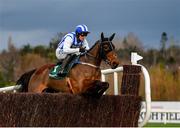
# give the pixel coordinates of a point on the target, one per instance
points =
(82, 49)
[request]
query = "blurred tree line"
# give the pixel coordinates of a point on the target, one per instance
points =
(164, 60)
(14, 62)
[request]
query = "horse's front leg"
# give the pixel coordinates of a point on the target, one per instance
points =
(97, 89)
(103, 87)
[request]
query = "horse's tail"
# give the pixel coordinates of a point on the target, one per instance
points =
(24, 80)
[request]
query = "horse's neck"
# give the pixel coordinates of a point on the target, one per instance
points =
(94, 55)
(95, 51)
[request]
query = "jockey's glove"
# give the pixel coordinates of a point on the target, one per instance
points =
(82, 49)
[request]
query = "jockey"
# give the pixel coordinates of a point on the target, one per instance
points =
(72, 43)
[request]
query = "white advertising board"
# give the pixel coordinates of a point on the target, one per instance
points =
(162, 112)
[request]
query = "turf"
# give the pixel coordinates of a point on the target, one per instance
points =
(162, 125)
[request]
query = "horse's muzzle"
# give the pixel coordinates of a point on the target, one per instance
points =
(114, 64)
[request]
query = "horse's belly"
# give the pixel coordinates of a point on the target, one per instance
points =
(59, 85)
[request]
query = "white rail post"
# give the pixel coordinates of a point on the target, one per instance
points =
(134, 58)
(103, 77)
(147, 96)
(116, 89)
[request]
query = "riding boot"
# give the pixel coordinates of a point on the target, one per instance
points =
(64, 63)
(59, 62)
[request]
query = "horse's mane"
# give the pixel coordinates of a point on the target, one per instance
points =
(94, 45)
(98, 41)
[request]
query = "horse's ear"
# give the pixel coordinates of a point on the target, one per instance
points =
(111, 37)
(102, 36)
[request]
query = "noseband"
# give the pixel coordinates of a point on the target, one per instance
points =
(105, 51)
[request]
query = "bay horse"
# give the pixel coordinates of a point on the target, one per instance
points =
(81, 78)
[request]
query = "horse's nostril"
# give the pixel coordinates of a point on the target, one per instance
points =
(114, 65)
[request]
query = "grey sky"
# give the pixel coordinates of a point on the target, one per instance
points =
(37, 21)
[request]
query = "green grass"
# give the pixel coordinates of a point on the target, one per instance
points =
(162, 125)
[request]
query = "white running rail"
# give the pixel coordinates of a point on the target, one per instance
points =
(10, 88)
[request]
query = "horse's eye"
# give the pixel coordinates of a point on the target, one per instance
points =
(106, 47)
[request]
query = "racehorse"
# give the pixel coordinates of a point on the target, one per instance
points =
(81, 78)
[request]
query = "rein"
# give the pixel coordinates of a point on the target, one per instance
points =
(92, 65)
(102, 55)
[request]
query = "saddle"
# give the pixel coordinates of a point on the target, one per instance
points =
(54, 71)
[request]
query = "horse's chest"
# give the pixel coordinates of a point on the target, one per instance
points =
(93, 74)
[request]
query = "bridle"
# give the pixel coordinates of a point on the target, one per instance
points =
(103, 52)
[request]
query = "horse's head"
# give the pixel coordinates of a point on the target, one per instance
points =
(107, 51)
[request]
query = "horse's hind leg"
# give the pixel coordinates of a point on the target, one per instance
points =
(38, 81)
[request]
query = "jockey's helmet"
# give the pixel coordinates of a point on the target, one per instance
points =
(81, 29)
